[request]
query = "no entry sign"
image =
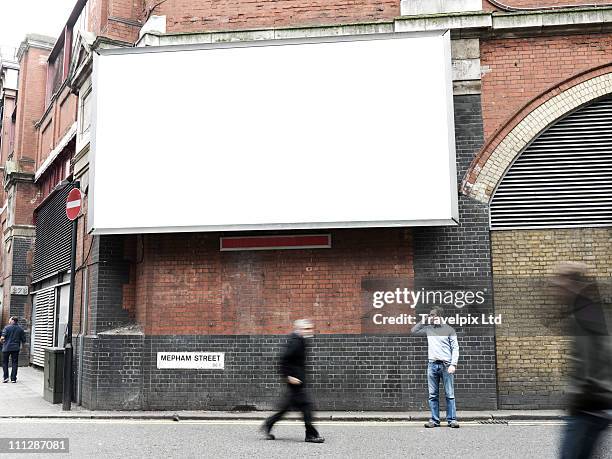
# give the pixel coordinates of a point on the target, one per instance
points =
(73, 204)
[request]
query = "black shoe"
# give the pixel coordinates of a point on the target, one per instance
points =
(6, 380)
(431, 424)
(266, 431)
(14, 381)
(314, 440)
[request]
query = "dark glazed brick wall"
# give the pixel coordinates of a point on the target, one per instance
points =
(21, 268)
(90, 374)
(20, 305)
(109, 272)
(112, 372)
(459, 257)
(461, 251)
(347, 372)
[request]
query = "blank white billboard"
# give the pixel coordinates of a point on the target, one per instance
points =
(316, 133)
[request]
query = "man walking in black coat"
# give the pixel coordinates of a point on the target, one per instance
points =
(293, 369)
(12, 338)
(589, 394)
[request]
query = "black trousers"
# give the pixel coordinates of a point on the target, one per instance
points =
(582, 433)
(15, 362)
(296, 397)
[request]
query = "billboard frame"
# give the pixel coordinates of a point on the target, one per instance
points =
(453, 221)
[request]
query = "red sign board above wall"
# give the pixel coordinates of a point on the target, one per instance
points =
(310, 241)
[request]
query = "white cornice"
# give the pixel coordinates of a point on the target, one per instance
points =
(56, 151)
(470, 24)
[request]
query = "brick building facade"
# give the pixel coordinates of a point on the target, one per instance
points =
(516, 74)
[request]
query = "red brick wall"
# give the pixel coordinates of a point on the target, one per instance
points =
(7, 126)
(66, 113)
(31, 101)
(84, 259)
(199, 15)
(123, 9)
(26, 200)
(185, 285)
(56, 124)
(517, 70)
(9, 105)
(98, 15)
(106, 18)
(46, 141)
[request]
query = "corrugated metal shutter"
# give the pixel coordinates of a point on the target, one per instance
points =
(53, 233)
(563, 178)
(43, 321)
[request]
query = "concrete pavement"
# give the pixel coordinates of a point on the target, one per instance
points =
(25, 400)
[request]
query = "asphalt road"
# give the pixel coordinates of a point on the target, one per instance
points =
(241, 439)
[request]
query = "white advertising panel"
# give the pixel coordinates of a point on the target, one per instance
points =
(314, 133)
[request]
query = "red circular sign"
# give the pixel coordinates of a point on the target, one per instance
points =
(73, 204)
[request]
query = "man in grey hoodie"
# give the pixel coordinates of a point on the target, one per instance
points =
(443, 354)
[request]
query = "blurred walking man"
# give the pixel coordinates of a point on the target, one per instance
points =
(293, 369)
(443, 354)
(590, 388)
(12, 338)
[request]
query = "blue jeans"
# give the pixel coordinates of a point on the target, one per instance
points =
(14, 364)
(435, 371)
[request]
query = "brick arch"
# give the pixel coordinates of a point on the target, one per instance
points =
(503, 147)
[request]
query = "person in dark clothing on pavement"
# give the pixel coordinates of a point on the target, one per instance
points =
(12, 338)
(293, 369)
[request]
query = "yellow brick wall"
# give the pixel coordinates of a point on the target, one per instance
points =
(531, 350)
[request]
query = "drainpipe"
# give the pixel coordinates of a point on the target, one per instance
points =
(83, 331)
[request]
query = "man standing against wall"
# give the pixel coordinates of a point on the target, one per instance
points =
(443, 354)
(293, 369)
(12, 338)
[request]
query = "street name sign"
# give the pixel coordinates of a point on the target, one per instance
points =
(191, 360)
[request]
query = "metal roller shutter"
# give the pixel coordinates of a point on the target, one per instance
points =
(43, 321)
(53, 233)
(563, 178)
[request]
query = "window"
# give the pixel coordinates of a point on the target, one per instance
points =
(58, 64)
(11, 133)
(85, 114)
(9, 209)
(55, 75)
(82, 24)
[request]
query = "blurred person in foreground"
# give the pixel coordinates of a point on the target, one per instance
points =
(590, 380)
(443, 354)
(293, 369)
